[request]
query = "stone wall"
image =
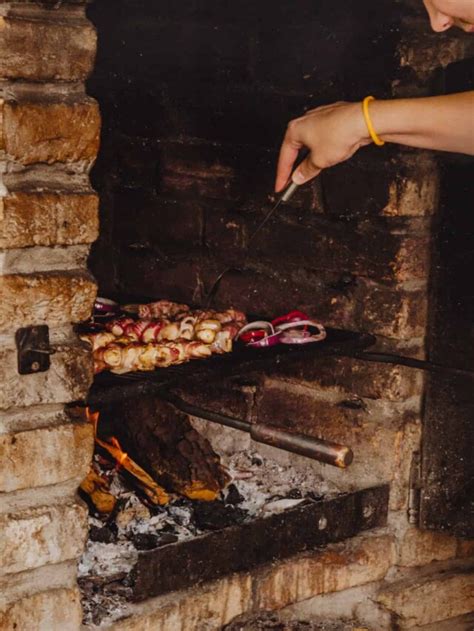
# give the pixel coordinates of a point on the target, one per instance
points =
(49, 138)
(184, 174)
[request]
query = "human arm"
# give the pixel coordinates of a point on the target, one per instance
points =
(333, 133)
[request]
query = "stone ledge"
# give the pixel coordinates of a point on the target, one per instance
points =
(213, 605)
(52, 218)
(418, 548)
(56, 609)
(41, 536)
(339, 567)
(67, 47)
(50, 131)
(32, 417)
(429, 599)
(15, 587)
(68, 379)
(38, 259)
(45, 456)
(27, 499)
(52, 298)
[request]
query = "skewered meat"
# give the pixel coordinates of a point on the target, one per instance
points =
(150, 334)
(222, 342)
(161, 309)
(98, 340)
(117, 327)
(167, 333)
(186, 327)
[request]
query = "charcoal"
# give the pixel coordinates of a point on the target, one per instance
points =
(145, 541)
(217, 515)
(294, 494)
(166, 538)
(233, 496)
(317, 497)
(102, 535)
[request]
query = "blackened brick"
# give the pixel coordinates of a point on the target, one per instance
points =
(144, 274)
(144, 219)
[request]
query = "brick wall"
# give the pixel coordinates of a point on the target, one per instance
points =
(49, 136)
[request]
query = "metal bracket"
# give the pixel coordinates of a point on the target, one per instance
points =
(32, 343)
(414, 492)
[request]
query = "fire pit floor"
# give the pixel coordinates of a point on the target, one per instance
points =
(268, 513)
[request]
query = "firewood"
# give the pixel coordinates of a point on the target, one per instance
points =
(95, 488)
(164, 442)
(155, 493)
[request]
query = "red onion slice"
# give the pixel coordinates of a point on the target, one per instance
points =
(265, 342)
(104, 305)
(259, 324)
(271, 337)
(292, 333)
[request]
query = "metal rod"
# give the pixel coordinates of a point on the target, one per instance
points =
(314, 448)
(411, 362)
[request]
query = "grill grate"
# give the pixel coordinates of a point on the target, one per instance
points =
(109, 386)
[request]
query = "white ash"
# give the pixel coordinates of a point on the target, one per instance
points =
(266, 487)
(105, 559)
(263, 481)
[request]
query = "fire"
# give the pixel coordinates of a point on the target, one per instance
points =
(92, 417)
(155, 493)
(122, 455)
(118, 453)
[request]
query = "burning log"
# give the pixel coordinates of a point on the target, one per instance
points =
(155, 493)
(165, 443)
(96, 488)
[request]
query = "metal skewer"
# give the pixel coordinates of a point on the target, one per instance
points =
(284, 198)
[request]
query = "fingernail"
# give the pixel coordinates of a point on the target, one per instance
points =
(298, 177)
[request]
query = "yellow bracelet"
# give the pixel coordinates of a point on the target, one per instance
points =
(368, 122)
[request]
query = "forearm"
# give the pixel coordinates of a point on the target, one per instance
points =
(444, 123)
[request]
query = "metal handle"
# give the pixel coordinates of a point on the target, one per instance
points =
(289, 192)
(315, 448)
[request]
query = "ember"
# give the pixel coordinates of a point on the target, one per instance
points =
(130, 522)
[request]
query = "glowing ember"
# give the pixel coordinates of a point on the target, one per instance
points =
(153, 492)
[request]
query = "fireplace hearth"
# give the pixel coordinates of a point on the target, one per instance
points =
(138, 144)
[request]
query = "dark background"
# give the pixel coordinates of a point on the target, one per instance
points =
(195, 97)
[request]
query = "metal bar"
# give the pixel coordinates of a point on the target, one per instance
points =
(317, 449)
(195, 410)
(308, 526)
(411, 362)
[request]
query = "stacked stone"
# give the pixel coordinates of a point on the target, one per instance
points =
(49, 135)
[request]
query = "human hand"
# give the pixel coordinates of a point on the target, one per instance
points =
(332, 133)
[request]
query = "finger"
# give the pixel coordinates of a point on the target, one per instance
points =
(306, 171)
(288, 154)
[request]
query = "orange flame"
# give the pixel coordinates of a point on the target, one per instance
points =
(121, 455)
(92, 417)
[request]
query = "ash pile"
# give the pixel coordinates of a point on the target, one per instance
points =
(257, 487)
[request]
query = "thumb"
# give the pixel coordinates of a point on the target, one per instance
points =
(306, 171)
